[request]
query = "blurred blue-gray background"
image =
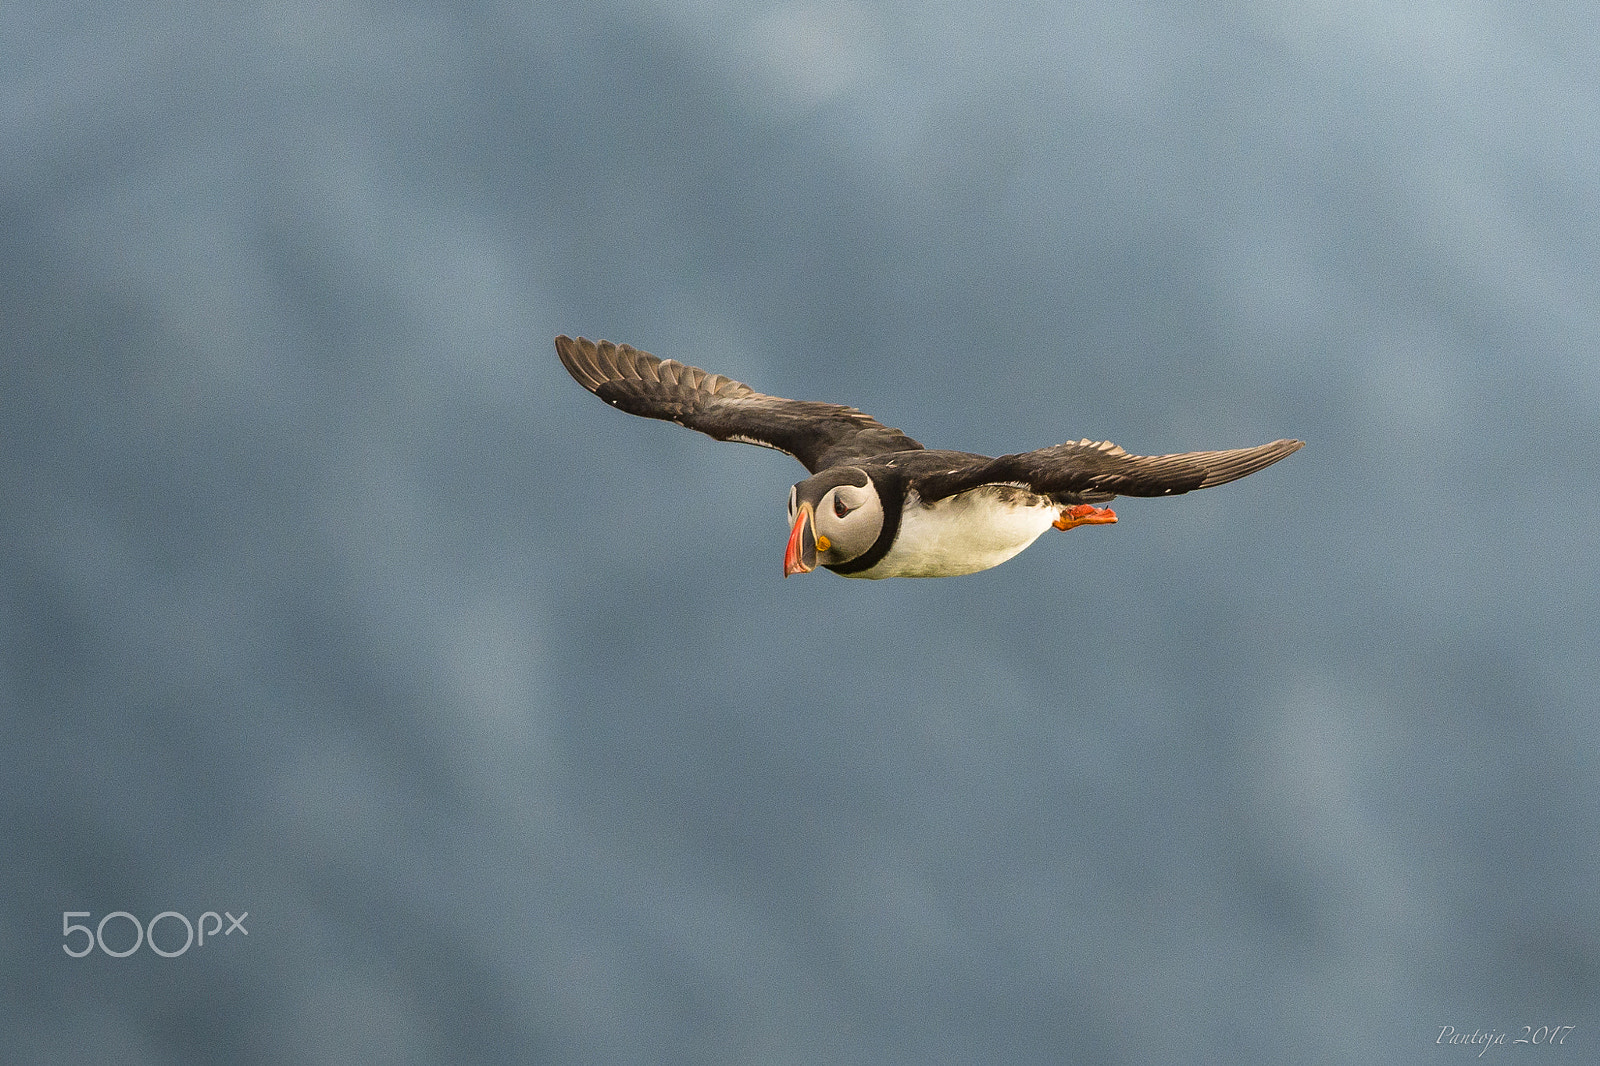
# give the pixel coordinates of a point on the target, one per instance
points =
(325, 595)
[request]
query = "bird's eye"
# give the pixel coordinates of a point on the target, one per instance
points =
(839, 507)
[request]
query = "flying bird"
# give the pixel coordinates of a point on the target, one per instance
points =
(877, 503)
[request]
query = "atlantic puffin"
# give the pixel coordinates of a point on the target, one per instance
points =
(877, 503)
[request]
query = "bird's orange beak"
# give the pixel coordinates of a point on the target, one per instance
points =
(800, 557)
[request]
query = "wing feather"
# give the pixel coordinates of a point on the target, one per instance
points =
(820, 435)
(1088, 471)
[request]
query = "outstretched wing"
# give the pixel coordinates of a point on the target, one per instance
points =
(1088, 471)
(820, 435)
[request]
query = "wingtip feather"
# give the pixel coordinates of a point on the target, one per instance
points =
(1223, 467)
(577, 355)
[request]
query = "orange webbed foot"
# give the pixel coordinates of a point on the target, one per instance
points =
(1083, 515)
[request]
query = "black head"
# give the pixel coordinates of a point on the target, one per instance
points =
(834, 516)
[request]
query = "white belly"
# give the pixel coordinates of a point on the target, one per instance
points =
(964, 534)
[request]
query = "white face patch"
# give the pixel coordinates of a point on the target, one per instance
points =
(850, 517)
